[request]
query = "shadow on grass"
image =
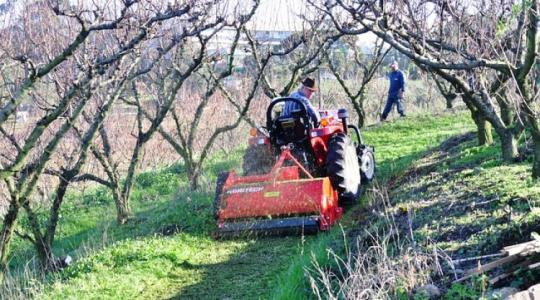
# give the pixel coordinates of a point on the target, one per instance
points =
(245, 268)
(189, 214)
(469, 203)
(251, 273)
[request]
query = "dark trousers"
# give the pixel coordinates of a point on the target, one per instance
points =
(388, 107)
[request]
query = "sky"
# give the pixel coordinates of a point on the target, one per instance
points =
(279, 15)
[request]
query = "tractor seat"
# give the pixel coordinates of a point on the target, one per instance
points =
(290, 129)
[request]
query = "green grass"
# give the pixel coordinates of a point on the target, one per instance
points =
(471, 203)
(485, 201)
(137, 261)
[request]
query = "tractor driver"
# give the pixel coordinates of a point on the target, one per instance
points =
(304, 93)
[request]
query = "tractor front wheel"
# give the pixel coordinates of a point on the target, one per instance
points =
(367, 164)
(343, 169)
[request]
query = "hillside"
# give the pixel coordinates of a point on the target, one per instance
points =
(426, 229)
(167, 250)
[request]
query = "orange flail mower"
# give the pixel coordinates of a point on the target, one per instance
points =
(306, 204)
(298, 176)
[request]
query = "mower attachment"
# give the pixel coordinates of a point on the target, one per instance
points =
(276, 202)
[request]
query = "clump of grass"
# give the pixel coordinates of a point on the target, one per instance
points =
(385, 262)
(24, 283)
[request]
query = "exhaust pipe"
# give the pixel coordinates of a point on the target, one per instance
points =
(343, 114)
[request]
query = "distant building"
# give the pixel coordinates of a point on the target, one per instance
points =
(272, 37)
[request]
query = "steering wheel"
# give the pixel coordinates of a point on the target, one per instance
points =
(271, 124)
(303, 111)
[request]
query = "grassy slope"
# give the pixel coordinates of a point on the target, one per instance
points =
(137, 261)
(468, 202)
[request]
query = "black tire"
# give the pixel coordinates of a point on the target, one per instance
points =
(343, 169)
(367, 164)
(257, 160)
(222, 177)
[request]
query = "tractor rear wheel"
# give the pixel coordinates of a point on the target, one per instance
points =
(257, 160)
(222, 177)
(343, 169)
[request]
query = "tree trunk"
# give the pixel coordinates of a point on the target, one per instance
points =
(123, 211)
(449, 103)
(509, 146)
(45, 254)
(193, 170)
(485, 137)
(359, 107)
(42, 246)
(122, 197)
(535, 134)
(507, 112)
(55, 212)
(361, 119)
(536, 161)
(506, 135)
(450, 100)
(8, 226)
(194, 174)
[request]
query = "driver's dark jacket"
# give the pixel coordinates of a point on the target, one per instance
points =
(291, 106)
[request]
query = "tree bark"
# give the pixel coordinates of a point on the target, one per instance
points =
(55, 212)
(485, 137)
(8, 226)
(358, 105)
(507, 112)
(129, 181)
(194, 173)
(123, 211)
(43, 248)
(534, 127)
(508, 145)
(450, 101)
(536, 161)
(45, 254)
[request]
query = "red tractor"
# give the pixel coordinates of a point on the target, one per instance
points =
(297, 175)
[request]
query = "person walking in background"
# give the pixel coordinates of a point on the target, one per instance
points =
(395, 91)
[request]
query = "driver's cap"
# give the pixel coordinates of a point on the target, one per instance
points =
(309, 83)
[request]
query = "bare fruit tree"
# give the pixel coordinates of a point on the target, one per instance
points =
(463, 46)
(121, 181)
(190, 133)
(367, 67)
(32, 76)
(70, 80)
